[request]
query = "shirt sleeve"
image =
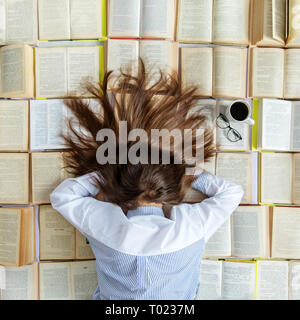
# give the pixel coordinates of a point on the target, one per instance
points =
(73, 198)
(224, 198)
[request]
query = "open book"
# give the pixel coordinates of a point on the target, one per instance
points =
(279, 125)
(17, 242)
(16, 71)
(155, 53)
(19, 283)
(14, 28)
(14, 125)
(224, 280)
(70, 19)
(275, 23)
(67, 280)
(285, 233)
(220, 71)
(245, 235)
(47, 173)
(62, 71)
(59, 239)
(280, 178)
(218, 21)
(14, 182)
(274, 73)
(141, 18)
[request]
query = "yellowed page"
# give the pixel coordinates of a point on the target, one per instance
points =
(231, 21)
(83, 66)
(285, 235)
(47, 174)
(13, 125)
(55, 281)
(84, 279)
(250, 236)
(226, 167)
(276, 178)
(2, 22)
(51, 72)
(157, 19)
(124, 18)
(296, 178)
(196, 69)
(294, 23)
(20, 29)
(279, 20)
(229, 72)
(10, 229)
(267, 72)
(17, 81)
(20, 283)
(14, 182)
(57, 235)
(54, 20)
(194, 22)
(83, 248)
(272, 280)
(292, 74)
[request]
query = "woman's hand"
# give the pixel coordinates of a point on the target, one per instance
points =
(99, 196)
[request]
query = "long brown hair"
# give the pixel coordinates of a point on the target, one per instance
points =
(145, 104)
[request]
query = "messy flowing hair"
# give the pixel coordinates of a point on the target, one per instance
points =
(145, 100)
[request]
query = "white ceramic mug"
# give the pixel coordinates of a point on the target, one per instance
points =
(247, 119)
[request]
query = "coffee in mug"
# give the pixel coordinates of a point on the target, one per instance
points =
(239, 111)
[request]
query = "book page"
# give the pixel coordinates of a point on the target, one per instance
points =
(231, 21)
(278, 20)
(276, 124)
(210, 281)
(194, 21)
(83, 248)
(295, 127)
(124, 18)
(293, 23)
(47, 174)
(10, 229)
(51, 72)
(219, 245)
(2, 22)
(83, 66)
(157, 18)
(276, 178)
(12, 71)
(14, 173)
(238, 281)
(122, 54)
(268, 21)
(223, 143)
(272, 280)
(84, 279)
(229, 72)
(57, 235)
(55, 281)
(20, 283)
(292, 74)
(21, 21)
(47, 122)
(13, 125)
(226, 167)
(250, 232)
(54, 20)
(296, 178)
(86, 19)
(267, 72)
(294, 280)
(196, 69)
(285, 235)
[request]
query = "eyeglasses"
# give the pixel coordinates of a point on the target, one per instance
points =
(223, 123)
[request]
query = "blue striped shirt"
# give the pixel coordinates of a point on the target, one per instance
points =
(144, 255)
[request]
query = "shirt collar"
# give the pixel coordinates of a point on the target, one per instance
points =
(145, 211)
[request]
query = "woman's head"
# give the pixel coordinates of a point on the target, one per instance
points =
(133, 99)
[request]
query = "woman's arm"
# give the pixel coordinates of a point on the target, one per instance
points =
(224, 197)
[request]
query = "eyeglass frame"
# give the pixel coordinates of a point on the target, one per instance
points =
(229, 127)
